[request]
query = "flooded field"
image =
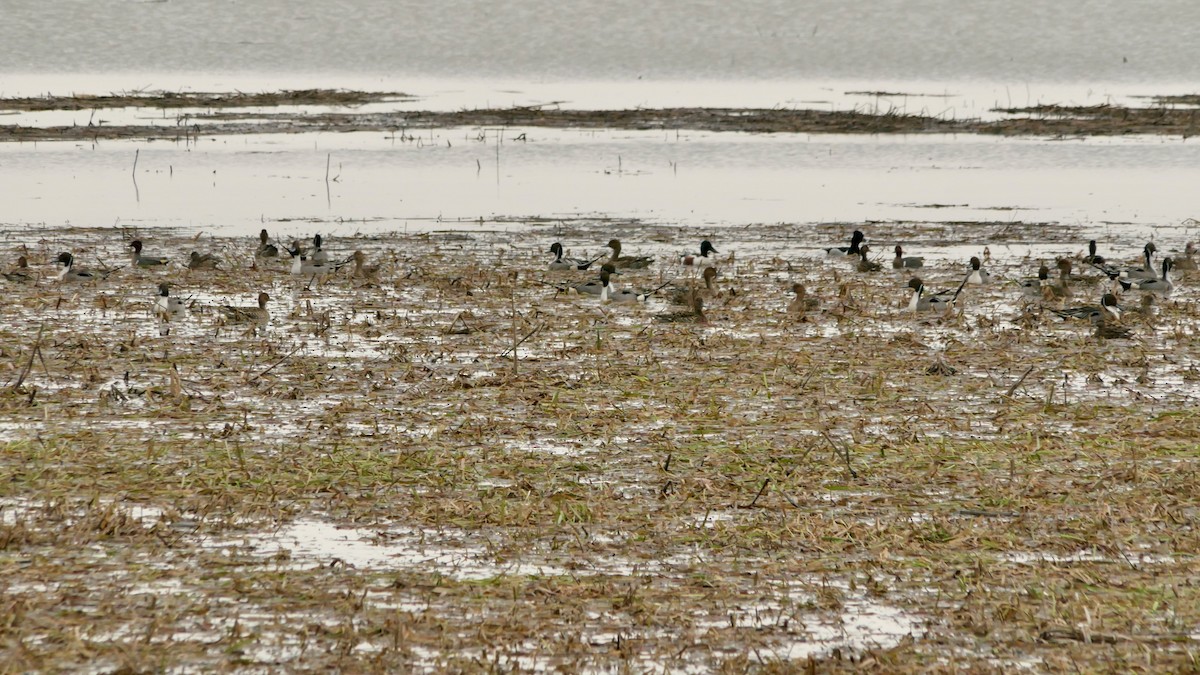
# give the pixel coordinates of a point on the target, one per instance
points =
(447, 463)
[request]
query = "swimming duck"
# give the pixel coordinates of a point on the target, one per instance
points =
(363, 270)
(694, 315)
(1107, 310)
(319, 256)
(1157, 286)
(1186, 263)
(1091, 258)
(140, 260)
(1060, 288)
(1146, 271)
(1107, 330)
(1032, 288)
(855, 240)
(610, 294)
(628, 262)
(702, 260)
(901, 262)
(71, 273)
(924, 303)
(21, 274)
(802, 304)
(265, 248)
(257, 315)
(203, 261)
(683, 295)
(560, 263)
(165, 306)
(865, 265)
(978, 275)
(303, 265)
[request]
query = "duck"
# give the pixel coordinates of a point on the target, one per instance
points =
(1157, 285)
(902, 262)
(865, 265)
(801, 303)
(265, 248)
(203, 261)
(855, 240)
(978, 275)
(1186, 263)
(1107, 330)
(319, 256)
(705, 259)
(167, 307)
(1148, 309)
(919, 302)
(627, 262)
(1107, 310)
(1146, 271)
(303, 265)
(1032, 288)
(257, 315)
(1061, 288)
(21, 274)
(694, 315)
(560, 263)
(361, 269)
(140, 260)
(683, 295)
(72, 274)
(1091, 258)
(608, 293)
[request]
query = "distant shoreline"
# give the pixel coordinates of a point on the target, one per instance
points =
(223, 114)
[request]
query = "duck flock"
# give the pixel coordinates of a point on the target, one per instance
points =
(697, 278)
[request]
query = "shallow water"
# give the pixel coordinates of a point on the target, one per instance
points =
(453, 178)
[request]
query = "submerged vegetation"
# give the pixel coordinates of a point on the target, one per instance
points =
(448, 465)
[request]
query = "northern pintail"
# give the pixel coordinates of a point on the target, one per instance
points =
(305, 266)
(1157, 286)
(626, 261)
(21, 274)
(695, 314)
(608, 293)
(919, 302)
(802, 304)
(140, 260)
(258, 315)
(71, 273)
(165, 306)
(203, 261)
(1108, 309)
(1107, 330)
(1146, 271)
(902, 262)
(978, 275)
(361, 269)
(1186, 262)
(865, 265)
(705, 259)
(1091, 258)
(855, 240)
(265, 248)
(682, 295)
(1061, 288)
(1032, 288)
(561, 263)
(318, 256)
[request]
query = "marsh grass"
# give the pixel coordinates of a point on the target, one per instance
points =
(748, 494)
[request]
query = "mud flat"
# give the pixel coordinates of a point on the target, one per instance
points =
(449, 464)
(320, 111)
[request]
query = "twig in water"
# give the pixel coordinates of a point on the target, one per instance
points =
(761, 490)
(273, 366)
(37, 347)
(845, 453)
(1013, 389)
